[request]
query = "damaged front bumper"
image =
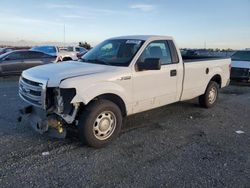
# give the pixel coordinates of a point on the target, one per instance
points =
(43, 123)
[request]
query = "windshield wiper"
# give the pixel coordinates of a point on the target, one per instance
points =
(96, 61)
(86, 60)
(101, 62)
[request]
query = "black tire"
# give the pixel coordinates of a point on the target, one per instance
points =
(204, 100)
(88, 119)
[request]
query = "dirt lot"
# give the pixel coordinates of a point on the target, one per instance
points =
(180, 145)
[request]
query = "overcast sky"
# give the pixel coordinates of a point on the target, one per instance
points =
(219, 23)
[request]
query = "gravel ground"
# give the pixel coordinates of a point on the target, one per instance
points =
(180, 145)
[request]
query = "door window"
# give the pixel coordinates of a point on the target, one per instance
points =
(15, 56)
(157, 49)
(46, 49)
(34, 55)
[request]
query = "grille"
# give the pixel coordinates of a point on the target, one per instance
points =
(239, 72)
(32, 92)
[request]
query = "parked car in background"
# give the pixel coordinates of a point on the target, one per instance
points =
(14, 62)
(76, 49)
(240, 66)
(61, 55)
(80, 55)
(4, 50)
(80, 51)
(189, 52)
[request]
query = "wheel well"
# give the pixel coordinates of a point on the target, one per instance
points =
(115, 99)
(67, 59)
(217, 78)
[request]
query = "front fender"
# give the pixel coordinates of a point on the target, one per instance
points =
(85, 92)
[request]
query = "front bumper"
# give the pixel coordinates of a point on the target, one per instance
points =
(41, 122)
(240, 74)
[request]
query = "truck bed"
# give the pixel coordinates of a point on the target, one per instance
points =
(190, 59)
(198, 71)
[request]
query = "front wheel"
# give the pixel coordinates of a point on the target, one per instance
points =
(210, 97)
(99, 123)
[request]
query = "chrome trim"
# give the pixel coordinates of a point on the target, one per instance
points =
(32, 97)
(125, 78)
(41, 88)
(35, 88)
(20, 95)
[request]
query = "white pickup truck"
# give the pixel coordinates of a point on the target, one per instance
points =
(119, 77)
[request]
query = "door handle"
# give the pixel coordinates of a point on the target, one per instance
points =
(173, 72)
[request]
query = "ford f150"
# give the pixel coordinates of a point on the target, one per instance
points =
(119, 77)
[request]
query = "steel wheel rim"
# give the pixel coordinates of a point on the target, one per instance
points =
(104, 125)
(212, 95)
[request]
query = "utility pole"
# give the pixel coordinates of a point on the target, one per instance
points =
(205, 45)
(64, 35)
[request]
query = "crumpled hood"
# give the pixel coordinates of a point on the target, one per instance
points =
(241, 64)
(56, 72)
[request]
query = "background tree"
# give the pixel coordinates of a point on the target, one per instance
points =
(85, 45)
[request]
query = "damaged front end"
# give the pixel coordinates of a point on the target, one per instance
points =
(51, 110)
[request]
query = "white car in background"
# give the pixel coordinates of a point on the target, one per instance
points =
(240, 65)
(62, 55)
(80, 51)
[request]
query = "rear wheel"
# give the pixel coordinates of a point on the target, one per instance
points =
(99, 123)
(209, 98)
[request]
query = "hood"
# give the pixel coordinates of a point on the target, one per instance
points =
(241, 64)
(56, 72)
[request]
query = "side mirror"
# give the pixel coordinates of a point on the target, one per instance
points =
(149, 64)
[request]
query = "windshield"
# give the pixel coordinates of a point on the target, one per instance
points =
(241, 56)
(45, 49)
(4, 55)
(116, 52)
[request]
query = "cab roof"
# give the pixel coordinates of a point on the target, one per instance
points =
(143, 37)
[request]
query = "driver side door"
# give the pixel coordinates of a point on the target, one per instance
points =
(32, 59)
(12, 64)
(154, 88)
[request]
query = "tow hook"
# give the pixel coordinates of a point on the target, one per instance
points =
(56, 123)
(52, 124)
(60, 129)
(56, 127)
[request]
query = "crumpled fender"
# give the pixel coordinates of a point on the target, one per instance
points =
(85, 92)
